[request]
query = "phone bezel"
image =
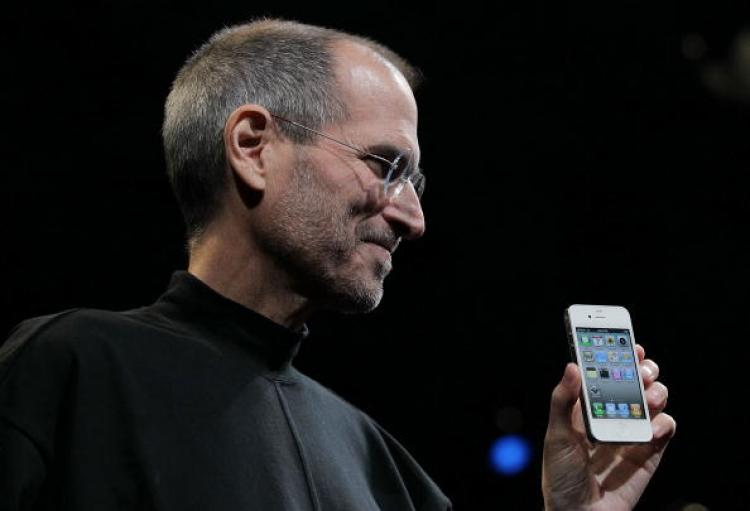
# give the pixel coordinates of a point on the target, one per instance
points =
(607, 430)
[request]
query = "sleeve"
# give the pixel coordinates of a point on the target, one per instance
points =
(35, 368)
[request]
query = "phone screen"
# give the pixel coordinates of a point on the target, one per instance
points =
(610, 373)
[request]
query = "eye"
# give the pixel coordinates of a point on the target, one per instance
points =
(379, 165)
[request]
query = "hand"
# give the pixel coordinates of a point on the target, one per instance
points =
(577, 474)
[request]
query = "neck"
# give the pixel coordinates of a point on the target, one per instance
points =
(241, 272)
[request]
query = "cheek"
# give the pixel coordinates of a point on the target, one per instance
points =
(329, 229)
(328, 219)
(343, 232)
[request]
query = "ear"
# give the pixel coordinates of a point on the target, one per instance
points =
(247, 134)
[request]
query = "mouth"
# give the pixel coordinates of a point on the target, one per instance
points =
(387, 244)
(389, 247)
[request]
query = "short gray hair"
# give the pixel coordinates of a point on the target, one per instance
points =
(287, 67)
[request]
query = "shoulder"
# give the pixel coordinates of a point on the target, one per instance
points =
(38, 365)
(63, 336)
(35, 330)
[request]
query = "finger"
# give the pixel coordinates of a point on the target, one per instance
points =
(640, 352)
(645, 457)
(656, 397)
(564, 398)
(664, 427)
(649, 371)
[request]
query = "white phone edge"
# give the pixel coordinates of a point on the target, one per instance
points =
(607, 430)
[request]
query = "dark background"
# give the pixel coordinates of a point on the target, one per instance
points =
(594, 153)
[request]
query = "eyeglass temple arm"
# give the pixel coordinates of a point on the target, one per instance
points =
(371, 155)
(294, 123)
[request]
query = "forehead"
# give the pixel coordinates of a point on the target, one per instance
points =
(380, 103)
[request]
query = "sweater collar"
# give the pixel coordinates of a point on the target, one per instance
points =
(190, 301)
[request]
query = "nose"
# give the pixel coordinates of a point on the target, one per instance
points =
(404, 213)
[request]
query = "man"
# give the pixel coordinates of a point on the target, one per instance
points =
(293, 154)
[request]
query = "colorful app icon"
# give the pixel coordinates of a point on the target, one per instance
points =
(603, 372)
(611, 341)
(623, 410)
(616, 373)
(612, 356)
(626, 356)
(595, 391)
(598, 409)
(635, 410)
(601, 357)
(588, 356)
(591, 372)
(628, 374)
(611, 410)
(598, 340)
(623, 341)
(585, 341)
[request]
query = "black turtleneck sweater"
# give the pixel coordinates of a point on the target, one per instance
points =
(191, 403)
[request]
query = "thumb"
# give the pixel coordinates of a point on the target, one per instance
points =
(564, 397)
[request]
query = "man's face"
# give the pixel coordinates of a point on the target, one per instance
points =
(330, 232)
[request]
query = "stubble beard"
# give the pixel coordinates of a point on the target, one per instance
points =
(312, 241)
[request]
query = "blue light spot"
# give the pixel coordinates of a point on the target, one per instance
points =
(510, 454)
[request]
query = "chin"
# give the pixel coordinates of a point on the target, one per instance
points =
(352, 288)
(358, 298)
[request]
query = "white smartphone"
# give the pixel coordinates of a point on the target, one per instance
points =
(612, 397)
